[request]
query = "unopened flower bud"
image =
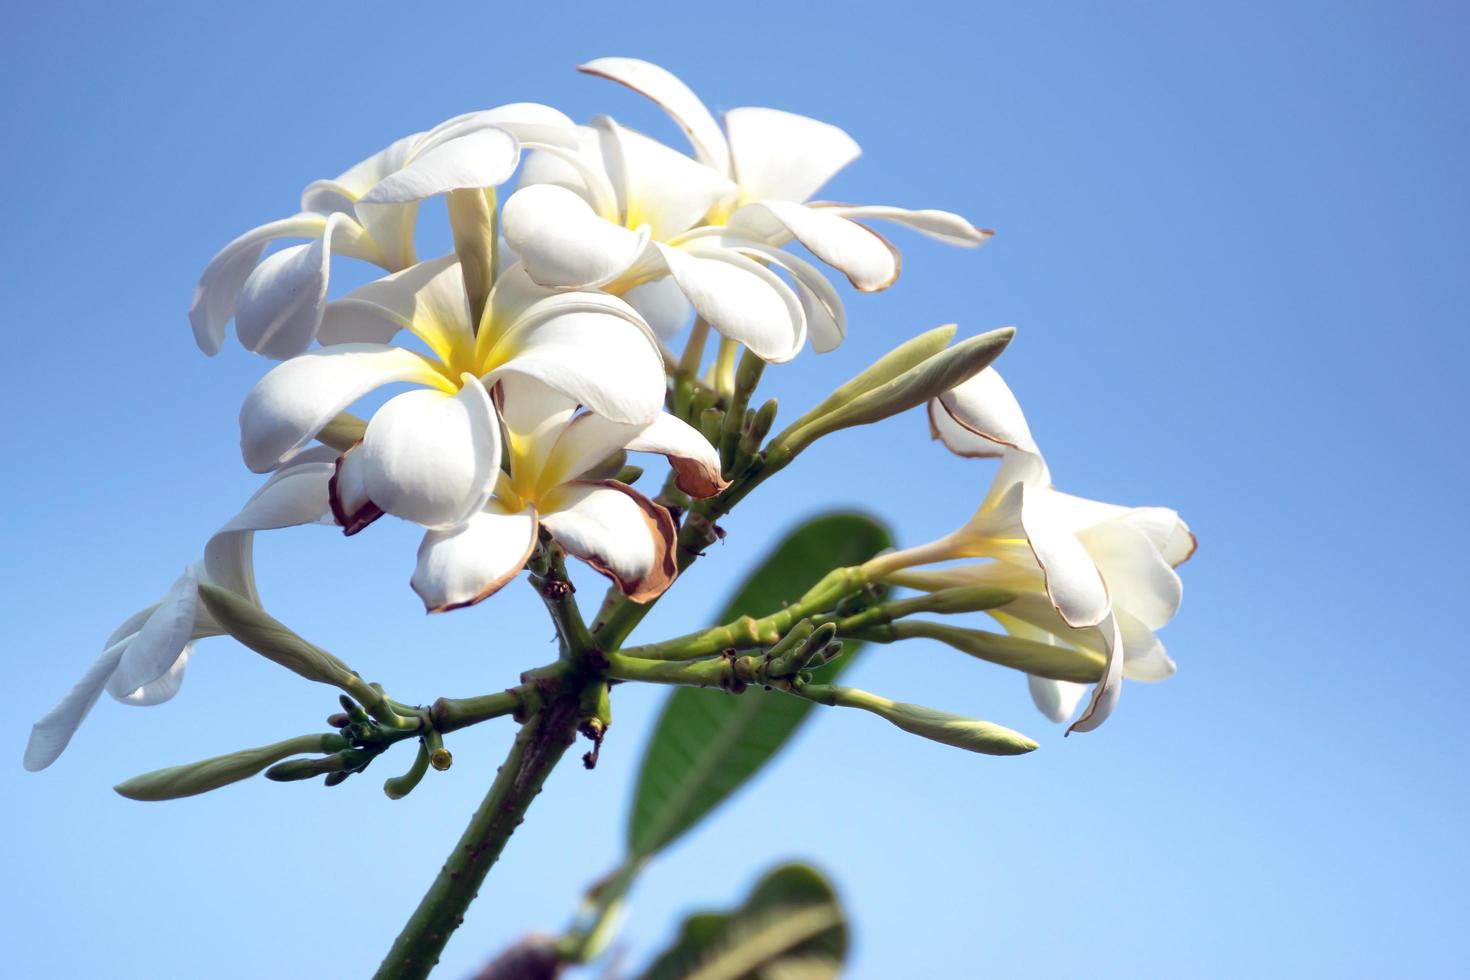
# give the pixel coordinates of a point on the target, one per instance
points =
(270, 638)
(209, 774)
(1059, 663)
(970, 734)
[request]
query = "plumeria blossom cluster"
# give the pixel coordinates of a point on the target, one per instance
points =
(538, 351)
(527, 361)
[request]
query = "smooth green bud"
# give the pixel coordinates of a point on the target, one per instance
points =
(760, 424)
(1042, 659)
(915, 386)
(907, 355)
(949, 602)
(270, 638)
(294, 769)
(629, 475)
(710, 421)
(343, 432)
(208, 774)
(970, 734)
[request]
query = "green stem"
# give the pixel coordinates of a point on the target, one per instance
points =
(538, 747)
(452, 714)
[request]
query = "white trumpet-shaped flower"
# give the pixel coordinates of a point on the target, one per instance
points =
(432, 455)
(1088, 574)
(763, 167)
(551, 445)
(368, 213)
(142, 663)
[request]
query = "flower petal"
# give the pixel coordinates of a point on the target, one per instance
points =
(659, 186)
(1144, 656)
(292, 403)
(941, 225)
(780, 156)
(589, 346)
(50, 735)
(1106, 692)
(218, 293)
(589, 439)
(431, 458)
(1139, 580)
(675, 98)
(523, 120)
(165, 687)
(562, 242)
(662, 305)
(294, 496)
(981, 417)
(1073, 581)
(281, 303)
(160, 641)
(740, 298)
(360, 178)
(427, 299)
(867, 259)
(460, 566)
(479, 158)
(617, 531)
(347, 494)
(1055, 699)
(825, 316)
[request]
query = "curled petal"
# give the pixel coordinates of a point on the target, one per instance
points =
(981, 417)
(1139, 579)
(165, 687)
(662, 305)
(590, 347)
(1055, 699)
(462, 565)
(941, 225)
(479, 158)
(1073, 581)
(675, 98)
(361, 177)
(739, 298)
(523, 120)
(347, 494)
(218, 293)
(432, 458)
(780, 156)
(294, 496)
(1144, 656)
(160, 641)
(658, 186)
(617, 531)
(292, 403)
(825, 316)
(589, 439)
(865, 257)
(427, 299)
(1105, 693)
(562, 242)
(51, 734)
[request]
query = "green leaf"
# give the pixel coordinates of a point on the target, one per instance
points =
(708, 743)
(790, 928)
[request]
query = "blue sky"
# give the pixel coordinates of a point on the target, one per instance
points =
(1233, 239)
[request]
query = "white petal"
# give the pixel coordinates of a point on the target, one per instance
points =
(675, 98)
(740, 298)
(296, 496)
(1072, 578)
(1144, 656)
(865, 257)
(562, 242)
(218, 292)
(462, 565)
(431, 458)
(661, 187)
(1056, 699)
(281, 304)
(1105, 693)
(589, 439)
(427, 299)
(663, 307)
(165, 687)
(1139, 579)
(942, 225)
(523, 120)
(50, 735)
(826, 318)
(1170, 535)
(391, 227)
(568, 168)
(352, 508)
(157, 645)
(289, 406)
(781, 156)
(981, 417)
(617, 531)
(480, 158)
(590, 347)
(360, 178)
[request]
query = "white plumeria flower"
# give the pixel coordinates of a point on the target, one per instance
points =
(772, 162)
(622, 213)
(432, 455)
(1091, 574)
(368, 213)
(551, 446)
(143, 661)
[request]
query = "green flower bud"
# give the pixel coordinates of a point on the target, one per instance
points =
(907, 355)
(208, 774)
(343, 432)
(270, 638)
(1060, 663)
(970, 734)
(629, 475)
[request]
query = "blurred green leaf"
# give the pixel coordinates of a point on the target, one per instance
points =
(709, 743)
(790, 928)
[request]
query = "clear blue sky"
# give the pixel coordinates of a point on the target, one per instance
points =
(1234, 239)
